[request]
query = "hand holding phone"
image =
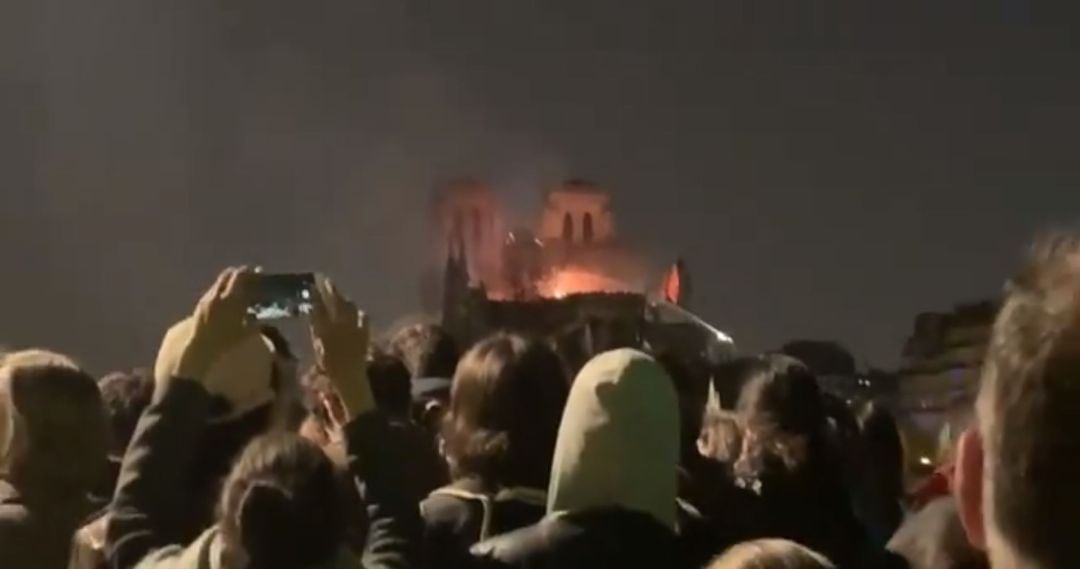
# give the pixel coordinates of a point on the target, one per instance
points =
(340, 336)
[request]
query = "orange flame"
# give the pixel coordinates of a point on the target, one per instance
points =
(565, 282)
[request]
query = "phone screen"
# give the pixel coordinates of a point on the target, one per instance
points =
(281, 296)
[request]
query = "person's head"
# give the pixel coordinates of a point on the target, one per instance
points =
(507, 397)
(427, 350)
(876, 476)
(280, 506)
(883, 450)
(783, 416)
(7, 427)
(618, 443)
(770, 554)
(692, 387)
(844, 437)
(126, 395)
(729, 377)
(57, 426)
(721, 437)
(390, 385)
(1017, 470)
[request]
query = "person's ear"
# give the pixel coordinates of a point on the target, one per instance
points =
(969, 486)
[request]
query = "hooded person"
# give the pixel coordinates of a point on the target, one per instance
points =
(612, 495)
(53, 443)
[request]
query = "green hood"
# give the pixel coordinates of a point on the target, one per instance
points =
(618, 442)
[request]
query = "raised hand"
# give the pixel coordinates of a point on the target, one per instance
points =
(340, 337)
(219, 322)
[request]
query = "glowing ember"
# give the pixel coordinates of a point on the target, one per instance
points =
(565, 282)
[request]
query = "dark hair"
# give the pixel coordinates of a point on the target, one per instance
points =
(879, 486)
(125, 395)
(281, 504)
(884, 448)
(390, 385)
(693, 391)
(505, 406)
(729, 378)
(783, 416)
(1029, 406)
(427, 350)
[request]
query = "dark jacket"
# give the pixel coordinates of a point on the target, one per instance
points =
(600, 538)
(35, 538)
(150, 510)
(425, 470)
(708, 495)
(462, 514)
(810, 507)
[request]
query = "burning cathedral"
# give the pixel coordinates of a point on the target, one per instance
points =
(565, 274)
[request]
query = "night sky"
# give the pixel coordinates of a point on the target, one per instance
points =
(827, 172)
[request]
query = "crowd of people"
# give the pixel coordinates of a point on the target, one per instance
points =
(408, 453)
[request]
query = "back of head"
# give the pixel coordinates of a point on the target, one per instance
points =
(618, 443)
(280, 506)
(125, 395)
(692, 387)
(770, 554)
(1029, 412)
(505, 403)
(784, 417)
(390, 385)
(57, 427)
(730, 377)
(884, 448)
(427, 350)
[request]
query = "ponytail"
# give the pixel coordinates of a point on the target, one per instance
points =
(281, 506)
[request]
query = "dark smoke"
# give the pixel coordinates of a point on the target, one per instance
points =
(147, 144)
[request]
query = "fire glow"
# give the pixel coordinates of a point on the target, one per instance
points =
(569, 281)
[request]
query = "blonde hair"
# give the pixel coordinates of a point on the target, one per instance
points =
(52, 423)
(10, 364)
(770, 554)
(7, 426)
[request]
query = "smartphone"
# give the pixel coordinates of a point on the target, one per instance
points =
(278, 296)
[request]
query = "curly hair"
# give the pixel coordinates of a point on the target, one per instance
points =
(783, 418)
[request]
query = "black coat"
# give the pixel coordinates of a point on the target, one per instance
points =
(458, 516)
(610, 537)
(34, 538)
